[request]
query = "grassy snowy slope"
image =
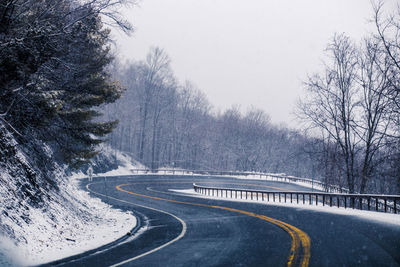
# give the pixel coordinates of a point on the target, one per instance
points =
(41, 223)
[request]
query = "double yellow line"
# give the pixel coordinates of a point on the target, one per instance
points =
(300, 247)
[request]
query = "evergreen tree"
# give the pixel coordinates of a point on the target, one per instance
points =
(53, 61)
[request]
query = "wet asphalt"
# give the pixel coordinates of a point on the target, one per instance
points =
(215, 237)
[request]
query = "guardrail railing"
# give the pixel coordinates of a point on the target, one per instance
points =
(278, 177)
(382, 203)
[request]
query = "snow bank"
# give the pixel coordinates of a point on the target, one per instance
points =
(126, 164)
(270, 177)
(74, 225)
(70, 221)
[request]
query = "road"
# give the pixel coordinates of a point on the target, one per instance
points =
(186, 231)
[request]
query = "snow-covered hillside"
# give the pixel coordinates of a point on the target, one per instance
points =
(41, 223)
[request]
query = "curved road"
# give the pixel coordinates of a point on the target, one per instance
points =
(187, 231)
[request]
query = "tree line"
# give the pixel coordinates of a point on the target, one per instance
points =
(350, 110)
(164, 123)
(353, 105)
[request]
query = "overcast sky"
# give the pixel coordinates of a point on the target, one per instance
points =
(250, 53)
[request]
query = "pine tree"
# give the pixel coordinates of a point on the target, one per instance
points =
(86, 85)
(53, 61)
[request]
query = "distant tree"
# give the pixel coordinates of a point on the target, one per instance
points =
(190, 125)
(168, 124)
(155, 69)
(253, 133)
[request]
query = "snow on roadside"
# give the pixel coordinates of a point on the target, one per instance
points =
(126, 167)
(72, 226)
(72, 222)
(380, 217)
(271, 178)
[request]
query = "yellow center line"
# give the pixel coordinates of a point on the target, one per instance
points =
(299, 238)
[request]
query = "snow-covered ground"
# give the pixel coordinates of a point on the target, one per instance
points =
(46, 240)
(127, 165)
(72, 223)
(368, 215)
(272, 178)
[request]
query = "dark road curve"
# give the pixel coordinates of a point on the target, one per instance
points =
(217, 233)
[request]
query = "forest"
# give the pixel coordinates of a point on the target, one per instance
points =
(349, 114)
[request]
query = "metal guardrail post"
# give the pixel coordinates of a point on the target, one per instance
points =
(385, 205)
(369, 203)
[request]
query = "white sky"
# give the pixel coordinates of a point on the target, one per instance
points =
(251, 53)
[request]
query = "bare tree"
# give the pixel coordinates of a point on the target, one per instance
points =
(155, 70)
(163, 100)
(332, 105)
(388, 34)
(376, 113)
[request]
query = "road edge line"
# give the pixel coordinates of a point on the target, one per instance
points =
(182, 233)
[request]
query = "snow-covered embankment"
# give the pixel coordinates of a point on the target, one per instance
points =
(69, 222)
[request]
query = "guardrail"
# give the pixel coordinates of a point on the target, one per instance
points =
(278, 177)
(382, 203)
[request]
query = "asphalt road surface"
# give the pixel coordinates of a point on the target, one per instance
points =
(179, 230)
